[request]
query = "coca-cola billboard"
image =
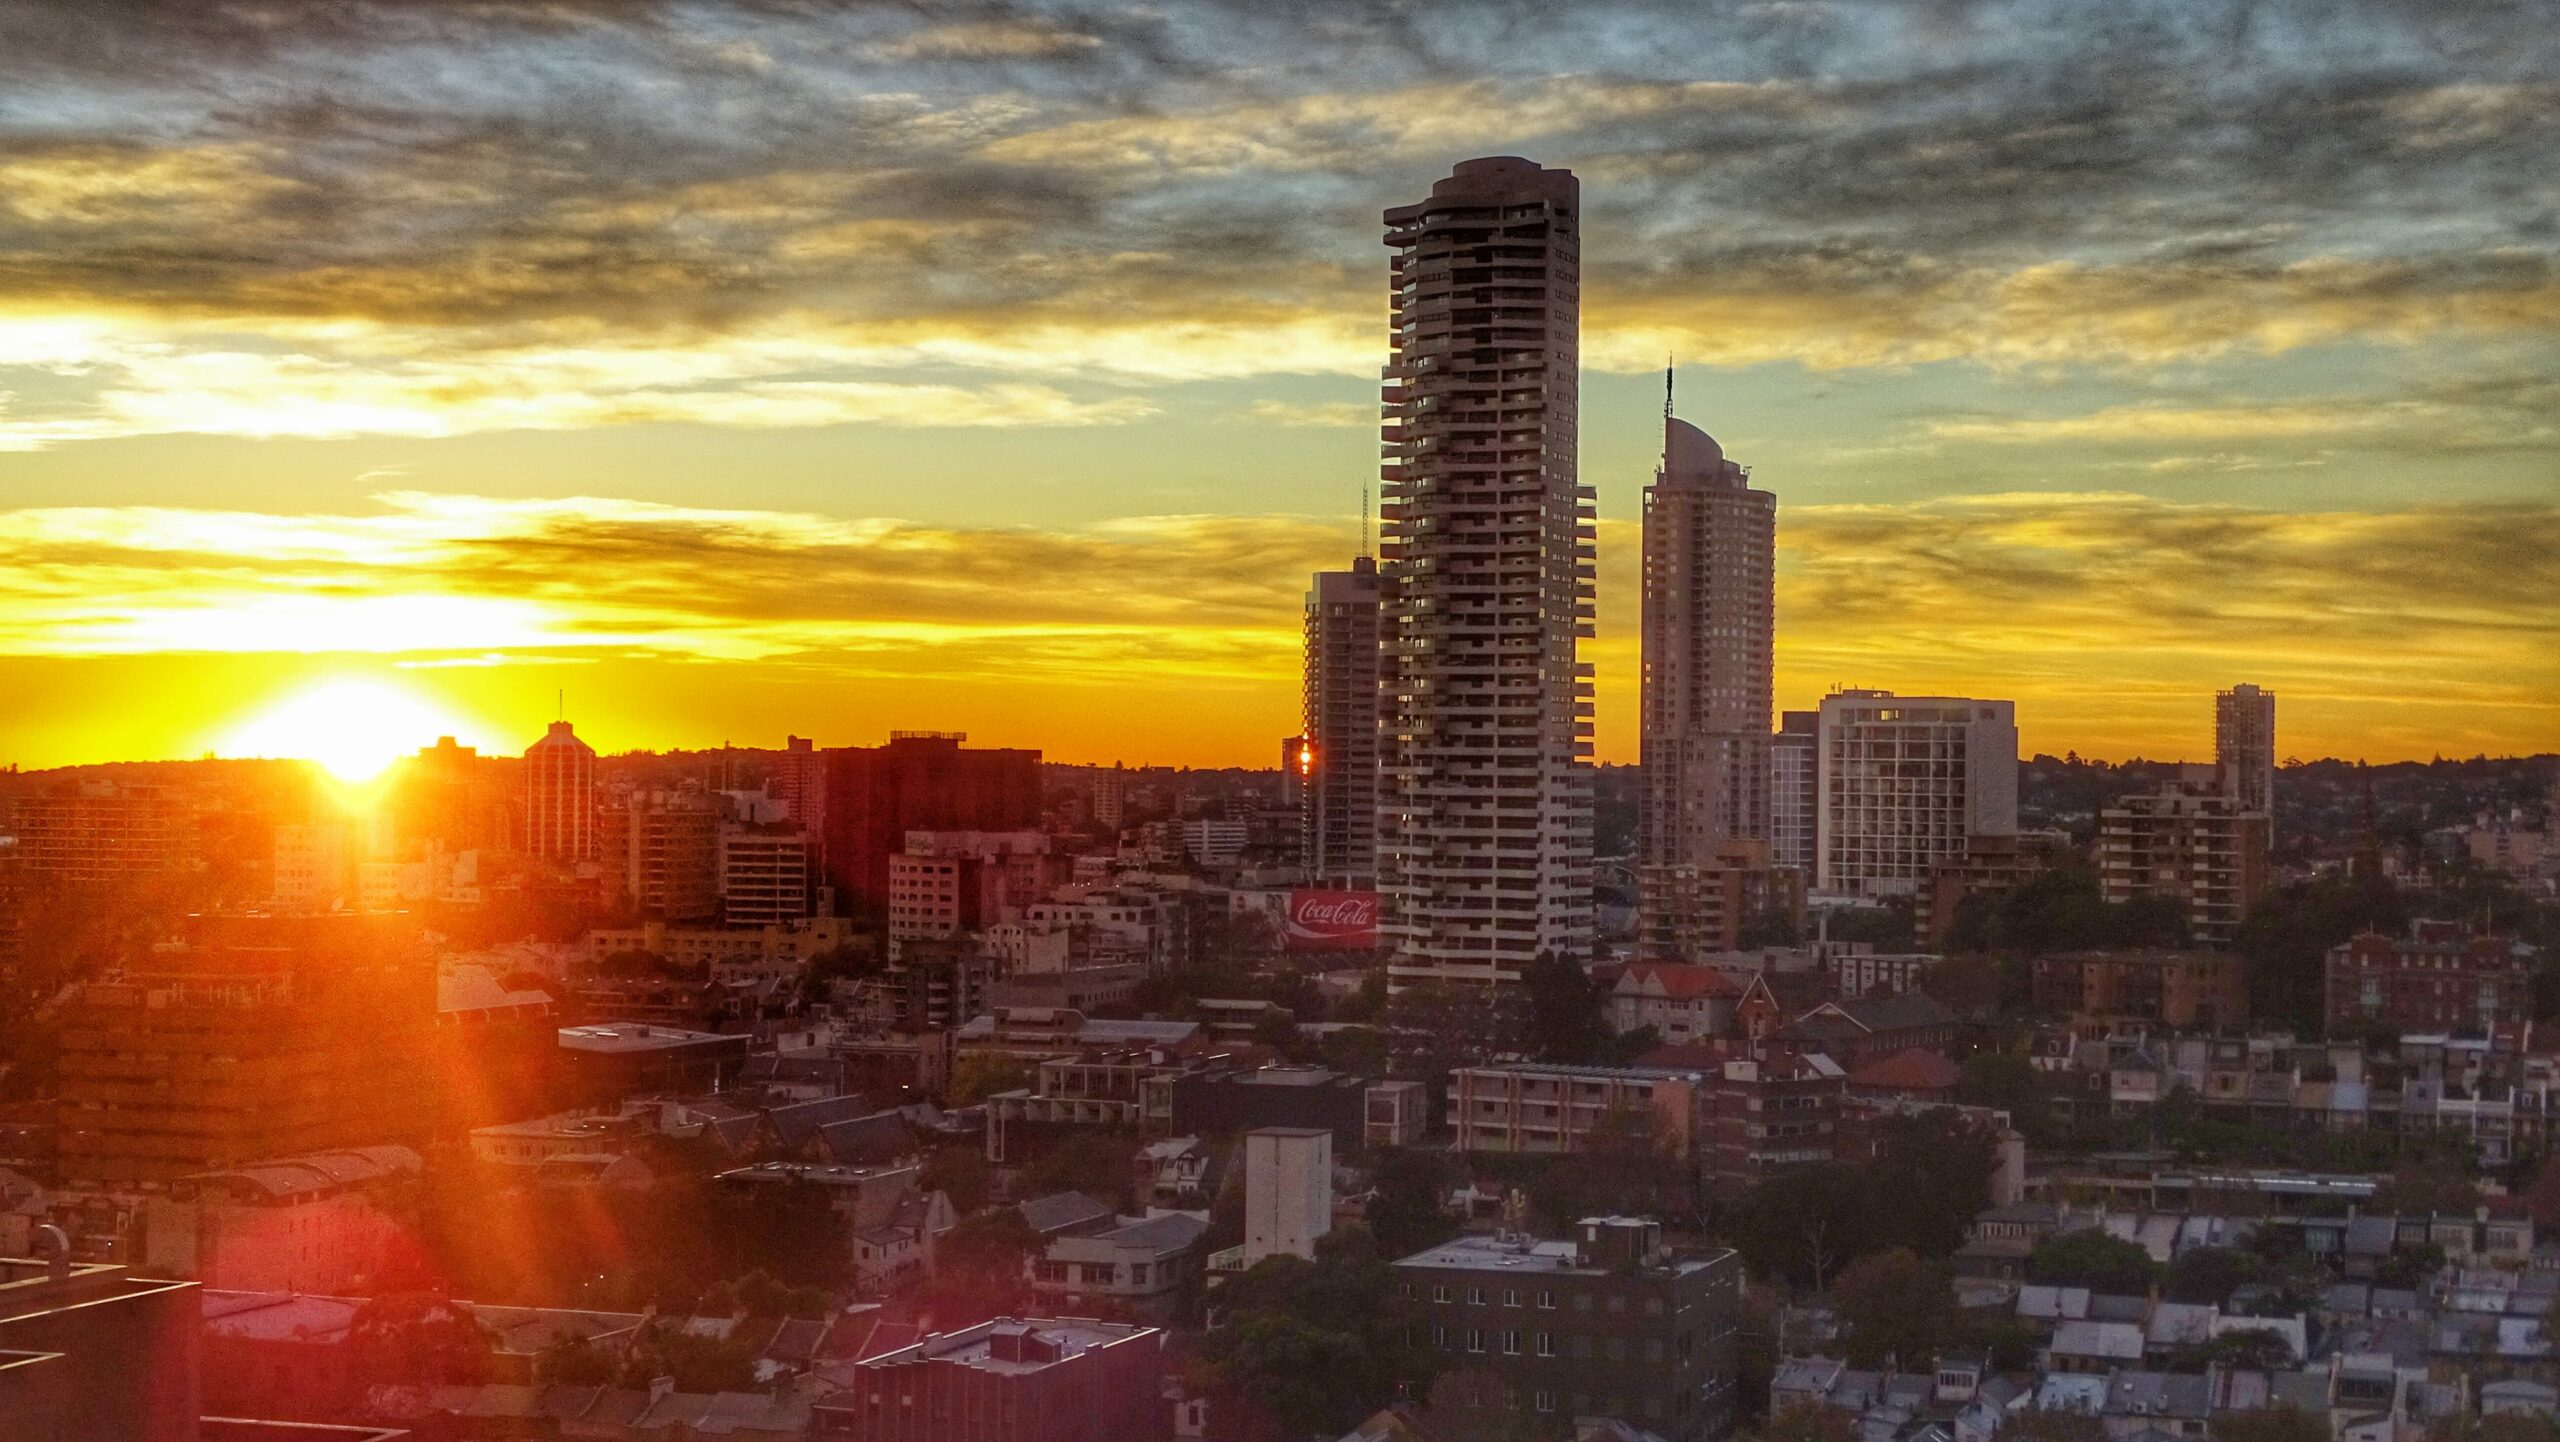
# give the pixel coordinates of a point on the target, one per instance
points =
(1333, 920)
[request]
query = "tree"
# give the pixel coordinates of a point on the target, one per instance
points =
(2094, 1260)
(2429, 1181)
(576, 1362)
(2207, 1276)
(1930, 1178)
(2269, 1424)
(961, 1173)
(2003, 1081)
(976, 1078)
(1318, 1345)
(1101, 1167)
(1405, 1215)
(419, 1338)
(1899, 1310)
(979, 1270)
(1624, 1166)
(1564, 1009)
(2247, 1349)
(1803, 1224)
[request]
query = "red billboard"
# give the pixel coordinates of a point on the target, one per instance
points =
(1333, 920)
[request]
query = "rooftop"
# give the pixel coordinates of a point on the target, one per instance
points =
(1558, 1258)
(624, 1037)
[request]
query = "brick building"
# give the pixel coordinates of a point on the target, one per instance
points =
(1609, 1324)
(2174, 988)
(2441, 976)
(920, 781)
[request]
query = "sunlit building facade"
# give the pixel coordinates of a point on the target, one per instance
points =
(560, 796)
(1906, 781)
(1338, 756)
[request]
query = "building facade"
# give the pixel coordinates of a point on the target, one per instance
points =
(1795, 797)
(2244, 746)
(1037, 1380)
(1288, 1191)
(2439, 976)
(1611, 1324)
(560, 796)
(1484, 811)
(2174, 988)
(1338, 762)
(919, 781)
(1710, 548)
(2193, 841)
(1906, 781)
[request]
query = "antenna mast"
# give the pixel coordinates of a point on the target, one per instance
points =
(1666, 387)
(1364, 518)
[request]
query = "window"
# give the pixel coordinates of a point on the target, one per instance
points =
(1546, 1344)
(1475, 1339)
(1546, 1401)
(1404, 1289)
(1439, 1292)
(1439, 1336)
(1475, 1296)
(1546, 1299)
(1511, 1296)
(1511, 1343)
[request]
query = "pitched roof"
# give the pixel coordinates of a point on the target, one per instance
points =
(1062, 1212)
(1915, 1069)
(1678, 981)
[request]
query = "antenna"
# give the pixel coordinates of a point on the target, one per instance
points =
(563, 696)
(1666, 386)
(1364, 518)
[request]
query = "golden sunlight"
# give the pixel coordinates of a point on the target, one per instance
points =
(353, 727)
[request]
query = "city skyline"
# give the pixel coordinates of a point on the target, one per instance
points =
(1029, 413)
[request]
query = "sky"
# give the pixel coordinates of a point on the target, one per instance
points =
(722, 371)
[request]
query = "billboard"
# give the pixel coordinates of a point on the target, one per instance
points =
(1332, 920)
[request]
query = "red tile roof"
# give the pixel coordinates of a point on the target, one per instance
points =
(1679, 981)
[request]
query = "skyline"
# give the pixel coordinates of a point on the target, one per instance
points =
(750, 369)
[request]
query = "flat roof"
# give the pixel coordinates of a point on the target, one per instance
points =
(632, 1036)
(1557, 1258)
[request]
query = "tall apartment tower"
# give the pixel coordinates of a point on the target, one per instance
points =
(1710, 558)
(560, 796)
(2244, 746)
(1794, 799)
(1906, 781)
(1338, 765)
(1484, 791)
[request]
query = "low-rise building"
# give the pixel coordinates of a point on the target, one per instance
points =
(1140, 1262)
(2179, 989)
(1609, 1324)
(1680, 1001)
(2439, 976)
(311, 1223)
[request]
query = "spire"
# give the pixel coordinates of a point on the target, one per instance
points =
(1666, 387)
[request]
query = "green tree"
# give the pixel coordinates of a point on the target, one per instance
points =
(1898, 1309)
(1102, 1167)
(2094, 1260)
(976, 1078)
(1406, 1214)
(2207, 1276)
(1564, 1009)
(2432, 1180)
(420, 1338)
(1931, 1176)
(1801, 1225)
(1316, 1346)
(2248, 1349)
(961, 1173)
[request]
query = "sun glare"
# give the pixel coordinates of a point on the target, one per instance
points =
(352, 728)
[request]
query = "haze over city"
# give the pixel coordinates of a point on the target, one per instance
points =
(374, 372)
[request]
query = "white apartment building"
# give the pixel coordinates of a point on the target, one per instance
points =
(1904, 781)
(1484, 802)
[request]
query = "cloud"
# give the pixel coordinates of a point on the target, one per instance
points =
(1348, 414)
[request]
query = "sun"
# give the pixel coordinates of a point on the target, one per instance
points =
(353, 728)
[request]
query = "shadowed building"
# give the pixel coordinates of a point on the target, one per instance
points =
(1484, 802)
(920, 781)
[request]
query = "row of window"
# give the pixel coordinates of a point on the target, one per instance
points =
(1443, 1293)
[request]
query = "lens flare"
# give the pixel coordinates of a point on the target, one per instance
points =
(351, 727)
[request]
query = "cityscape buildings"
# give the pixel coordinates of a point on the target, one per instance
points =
(1710, 561)
(1338, 759)
(1795, 796)
(919, 781)
(1905, 781)
(1484, 810)
(2191, 840)
(2244, 746)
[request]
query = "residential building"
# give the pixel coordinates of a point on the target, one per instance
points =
(1542, 1108)
(1288, 1191)
(1768, 1113)
(92, 1353)
(2439, 976)
(731, 954)
(768, 873)
(95, 833)
(258, 1036)
(1038, 1380)
(2244, 746)
(1795, 792)
(315, 866)
(1906, 781)
(1857, 969)
(919, 781)
(1689, 908)
(312, 1223)
(943, 884)
(1139, 1263)
(1710, 548)
(1611, 1324)
(1858, 1029)
(800, 784)
(560, 796)
(2179, 989)
(1338, 762)
(1680, 1002)
(1218, 1099)
(1211, 841)
(1484, 807)
(666, 849)
(1988, 866)
(602, 1064)
(2190, 841)
(1395, 1114)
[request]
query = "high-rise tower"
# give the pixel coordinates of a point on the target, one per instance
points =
(560, 796)
(1710, 556)
(1484, 792)
(1339, 766)
(2244, 746)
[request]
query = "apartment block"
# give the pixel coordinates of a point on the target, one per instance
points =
(1338, 765)
(1540, 1108)
(1609, 1324)
(2171, 988)
(1905, 782)
(1063, 1379)
(2438, 976)
(2192, 841)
